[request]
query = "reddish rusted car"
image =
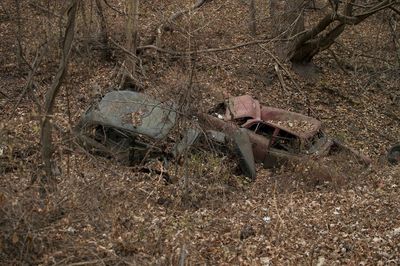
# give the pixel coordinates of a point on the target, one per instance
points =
(277, 135)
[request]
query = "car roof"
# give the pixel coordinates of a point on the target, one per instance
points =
(243, 107)
(294, 123)
(134, 112)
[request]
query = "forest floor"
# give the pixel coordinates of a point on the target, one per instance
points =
(106, 213)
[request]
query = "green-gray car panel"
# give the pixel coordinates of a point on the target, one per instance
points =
(134, 112)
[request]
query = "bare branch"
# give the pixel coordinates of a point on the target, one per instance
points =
(182, 53)
(29, 81)
(44, 10)
(395, 10)
(165, 25)
(114, 9)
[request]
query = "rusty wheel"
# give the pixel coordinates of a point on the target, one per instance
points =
(393, 155)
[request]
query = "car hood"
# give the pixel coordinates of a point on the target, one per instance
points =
(133, 112)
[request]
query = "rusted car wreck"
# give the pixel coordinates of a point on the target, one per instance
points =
(278, 135)
(132, 126)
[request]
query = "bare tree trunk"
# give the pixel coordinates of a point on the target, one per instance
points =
(131, 43)
(288, 22)
(103, 31)
(323, 35)
(19, 34)
(46, 126)
(252, 22)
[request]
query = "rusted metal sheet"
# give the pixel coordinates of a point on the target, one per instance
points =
(260, 143)
(243, 107)
(278, 135)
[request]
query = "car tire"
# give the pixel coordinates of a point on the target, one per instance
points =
(393, 155)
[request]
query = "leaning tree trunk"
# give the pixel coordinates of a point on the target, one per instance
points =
(46, 126)
(288, 22)
(299, 45)
(311, 43)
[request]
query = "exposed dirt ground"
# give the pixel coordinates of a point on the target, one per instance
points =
(105, 213)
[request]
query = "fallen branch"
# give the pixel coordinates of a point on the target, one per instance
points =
(183, 53)
(5, 95)
(395, 10)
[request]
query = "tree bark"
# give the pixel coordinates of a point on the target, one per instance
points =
(288, 22)
(299, 45)
(103, 31)
(132, 32)
(19, 52)
(129, 74)
(252, 22)
(320, 37)
(46, 126)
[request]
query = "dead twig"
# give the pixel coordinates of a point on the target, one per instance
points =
(280, 77)
(364, 55)
(44, 10)
(5, 95)
(166, 25)
(395, 37)
(114, 9)
(129, 53)
(182, 256)
(337, 61)
(280, 64)
(395, 10)
(89, 262)
(29, 81)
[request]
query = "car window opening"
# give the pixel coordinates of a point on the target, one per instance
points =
(282, 141)
(286, 142)
(314, 140)
(263, 129)
(242, 120)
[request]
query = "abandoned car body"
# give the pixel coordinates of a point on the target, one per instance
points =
(278, 135)
(124, 124)
(131, 127)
